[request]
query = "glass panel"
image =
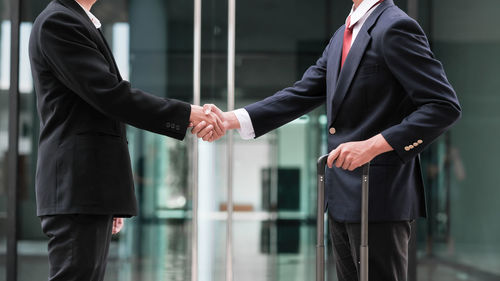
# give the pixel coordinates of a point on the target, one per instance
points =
(4, 127)
(463, 228)
(32, 246)
(155, 245)
(275, 175)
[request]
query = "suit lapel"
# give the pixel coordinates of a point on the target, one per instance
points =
(73, 6)
(95, 34)
(336, 57)
(110, 55)
(346, 75)
(348, 70)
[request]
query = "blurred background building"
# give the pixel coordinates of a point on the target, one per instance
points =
(274, 177)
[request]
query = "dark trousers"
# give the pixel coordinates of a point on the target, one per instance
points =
(388, 250)
(78, 246)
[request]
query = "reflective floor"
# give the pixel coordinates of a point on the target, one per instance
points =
(262, 251)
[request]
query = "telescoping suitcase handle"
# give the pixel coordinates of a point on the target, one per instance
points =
(320, 227)
(320, 224)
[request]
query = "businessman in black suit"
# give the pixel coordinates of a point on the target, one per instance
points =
(84, 183)
(387, 98)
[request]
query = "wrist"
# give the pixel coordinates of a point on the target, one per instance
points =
(195, 112)
(232, 120)
(379, 145)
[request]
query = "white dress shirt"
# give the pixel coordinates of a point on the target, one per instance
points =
(358, 18)
(93, 18)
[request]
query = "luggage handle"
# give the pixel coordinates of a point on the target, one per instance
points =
(320, 223)
(320, 227)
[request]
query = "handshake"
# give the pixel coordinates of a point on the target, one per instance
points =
(210, 123)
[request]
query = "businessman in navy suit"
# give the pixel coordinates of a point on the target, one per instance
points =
(387, 99)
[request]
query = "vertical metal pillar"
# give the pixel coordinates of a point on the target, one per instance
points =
(231, 33)
(230, 106)
(12, 158)
(196, 101)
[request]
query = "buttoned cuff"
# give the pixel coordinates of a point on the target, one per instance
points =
(246, 127)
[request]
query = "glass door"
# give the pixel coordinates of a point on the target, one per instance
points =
(156, 244)
(275, 175)
(256, 199)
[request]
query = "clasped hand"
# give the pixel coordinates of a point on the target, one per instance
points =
(206, 122)
(222, 121)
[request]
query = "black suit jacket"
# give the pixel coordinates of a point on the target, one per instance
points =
(83, 104)
(390, 84)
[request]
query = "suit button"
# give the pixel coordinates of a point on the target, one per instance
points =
(420, 141)
(415, 144)
(407, 148)
(168, 124)
(332, 131)
(177, 128)
(411, 146)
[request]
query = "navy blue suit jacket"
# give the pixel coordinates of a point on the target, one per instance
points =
(390, 84)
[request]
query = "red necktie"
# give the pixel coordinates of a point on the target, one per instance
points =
(346, 46)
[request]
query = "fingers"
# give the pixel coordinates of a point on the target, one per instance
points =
(213, 108)
(349, 156)
(332, 157)
(203, 133)
(198, 127)
(218, 126)
(208, 136)
(354, 164)
(114, 231)
(340, 159)
(210, 120)
(207, 108)
(217, 118)
(117, 225)
(347, 163)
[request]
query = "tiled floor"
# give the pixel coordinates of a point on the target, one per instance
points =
(262, 252)
(35, 268)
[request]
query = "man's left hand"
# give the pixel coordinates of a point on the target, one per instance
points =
(117, 225)
(351, 155)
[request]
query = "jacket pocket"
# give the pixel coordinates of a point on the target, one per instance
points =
(101, 168)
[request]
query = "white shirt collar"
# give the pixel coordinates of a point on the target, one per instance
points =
(93, 18)
(361, 10)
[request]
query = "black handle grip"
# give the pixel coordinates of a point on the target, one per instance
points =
(321, 164)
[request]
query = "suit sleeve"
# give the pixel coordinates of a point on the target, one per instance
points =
(79, 64)
(293, 102)
(410, 60)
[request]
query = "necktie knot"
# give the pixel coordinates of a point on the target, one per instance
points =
(348, 24)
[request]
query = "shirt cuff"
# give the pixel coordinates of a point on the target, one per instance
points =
(246, 128)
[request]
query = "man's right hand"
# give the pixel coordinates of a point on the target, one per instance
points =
(206, 124)
(229, 121)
